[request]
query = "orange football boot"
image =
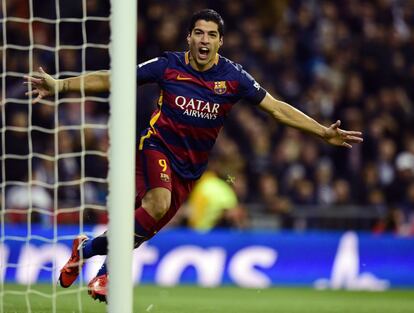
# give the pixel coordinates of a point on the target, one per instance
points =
(70, 271)
(97, 287)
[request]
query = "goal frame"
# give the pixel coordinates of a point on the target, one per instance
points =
(122, 133)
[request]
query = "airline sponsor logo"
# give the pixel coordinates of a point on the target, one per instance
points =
(197, 108)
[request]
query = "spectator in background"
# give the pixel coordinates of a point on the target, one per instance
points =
(385, 160)
(342, 192)
(16, 143)
(404, 176)
(274, 203)
(324, 192)
(31, 200)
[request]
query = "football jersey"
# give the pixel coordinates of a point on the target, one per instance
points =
(192, 107)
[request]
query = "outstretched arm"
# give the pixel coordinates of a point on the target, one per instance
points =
(290, 116)
(44, 85)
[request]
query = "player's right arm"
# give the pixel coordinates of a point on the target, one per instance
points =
(43, 85)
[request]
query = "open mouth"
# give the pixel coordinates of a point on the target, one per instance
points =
(203, 53)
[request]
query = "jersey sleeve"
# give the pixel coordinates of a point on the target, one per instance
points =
(250, 89)
(151, 71)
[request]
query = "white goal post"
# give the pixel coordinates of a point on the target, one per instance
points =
(122, 153)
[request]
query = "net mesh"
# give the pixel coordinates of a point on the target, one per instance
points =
(53, 153)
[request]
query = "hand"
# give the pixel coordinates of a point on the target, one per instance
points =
(42, 84)
(339, 137)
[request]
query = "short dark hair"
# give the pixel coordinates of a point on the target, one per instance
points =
(207, 15)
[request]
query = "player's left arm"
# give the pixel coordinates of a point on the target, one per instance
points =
(288, 115)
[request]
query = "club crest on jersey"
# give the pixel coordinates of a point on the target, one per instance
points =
(220, 87)
(164, 177)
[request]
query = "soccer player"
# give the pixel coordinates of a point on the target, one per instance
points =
(198, 89)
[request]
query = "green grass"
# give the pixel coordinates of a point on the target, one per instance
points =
(188, 299)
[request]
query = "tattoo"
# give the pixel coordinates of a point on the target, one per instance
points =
(66, 85)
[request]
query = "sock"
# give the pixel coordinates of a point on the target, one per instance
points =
(103, 270)
(95, 246)
(145, 227)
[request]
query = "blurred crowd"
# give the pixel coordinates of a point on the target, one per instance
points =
(351, 60)
(54, 153)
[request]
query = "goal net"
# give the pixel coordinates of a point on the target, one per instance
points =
(54, 163)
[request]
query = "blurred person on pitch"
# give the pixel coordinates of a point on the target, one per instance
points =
(213, 203)
(198, 89)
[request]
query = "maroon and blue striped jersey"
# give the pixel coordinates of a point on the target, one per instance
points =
(192, 107)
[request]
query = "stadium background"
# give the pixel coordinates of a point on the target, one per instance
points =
(348, 60)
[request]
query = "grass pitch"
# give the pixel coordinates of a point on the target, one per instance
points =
(189, 299)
